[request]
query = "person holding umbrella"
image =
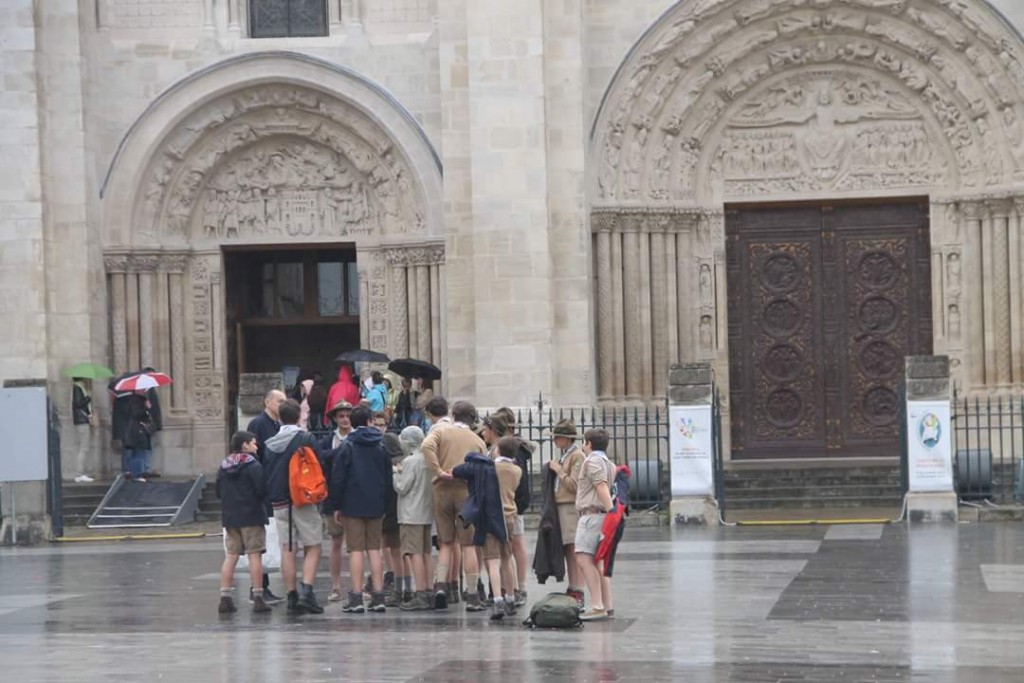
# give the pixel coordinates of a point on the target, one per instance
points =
(82, 416)
(139, 420)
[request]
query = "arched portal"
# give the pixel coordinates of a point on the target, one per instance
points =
(727, 103)
(290, 156)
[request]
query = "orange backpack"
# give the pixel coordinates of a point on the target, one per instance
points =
(306, 481)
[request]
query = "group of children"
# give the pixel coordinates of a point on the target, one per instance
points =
(389, 496)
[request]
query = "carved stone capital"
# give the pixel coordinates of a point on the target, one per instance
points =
(971, 211)
(999, 208)
(430, 255)
(174, 263)
(116, 263)
(144, 263)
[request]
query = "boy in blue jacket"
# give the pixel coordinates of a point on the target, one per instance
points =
(361, 480)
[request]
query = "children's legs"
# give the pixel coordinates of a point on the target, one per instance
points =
(572, 567)
(519, 550)
(592, 578)
(508, 575)
(255, 570)
(336, 562)
(445, 559)
(288, 566)
(376, 569)
(471, 565)
(397, 565)
(494, 576)
(311, 563)
(419, 570)
(227, 572)
(355, 570)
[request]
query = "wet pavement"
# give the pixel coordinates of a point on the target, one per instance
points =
(824, 603)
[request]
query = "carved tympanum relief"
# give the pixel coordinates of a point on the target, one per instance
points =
(278, 161)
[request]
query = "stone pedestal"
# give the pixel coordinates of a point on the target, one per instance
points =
(692, 457)
(928, 380)
(932, 507)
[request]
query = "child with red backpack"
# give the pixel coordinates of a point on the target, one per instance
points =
(295, 485)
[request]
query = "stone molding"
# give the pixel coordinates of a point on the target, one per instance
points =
(430, 255)
(145, 262)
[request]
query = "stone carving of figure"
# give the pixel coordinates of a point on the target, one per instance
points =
(704, 281)
(229, 213)
(273, 212)
(705, 333)
(211, 215)
(953, 272)
(612, 159)
(954, 321)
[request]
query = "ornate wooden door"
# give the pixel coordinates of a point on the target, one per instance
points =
(824, 303)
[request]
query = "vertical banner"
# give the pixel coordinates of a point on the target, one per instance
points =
(690, 448)
(929, 446)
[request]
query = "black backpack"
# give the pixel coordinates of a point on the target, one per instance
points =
(555, 610)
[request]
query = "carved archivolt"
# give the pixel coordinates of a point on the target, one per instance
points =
(756, 97)
(278, 162)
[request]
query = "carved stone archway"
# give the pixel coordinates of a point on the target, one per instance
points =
(778, 100)
(266, 148)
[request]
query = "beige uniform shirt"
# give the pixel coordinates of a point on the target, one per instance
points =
(596, 468)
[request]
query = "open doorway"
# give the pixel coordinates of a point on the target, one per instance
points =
(289, 308)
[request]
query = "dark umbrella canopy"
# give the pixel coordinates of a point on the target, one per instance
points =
(362, 356)
(410, 367)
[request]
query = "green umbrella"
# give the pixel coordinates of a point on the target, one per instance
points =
(89, 371)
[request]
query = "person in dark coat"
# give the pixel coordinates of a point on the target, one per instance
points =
(242, 490)
(267, 423)
(361, 480)
(138, 435)
(482, 509)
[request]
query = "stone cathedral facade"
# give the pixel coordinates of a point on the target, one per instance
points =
(556, 198)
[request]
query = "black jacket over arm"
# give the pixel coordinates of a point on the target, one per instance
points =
(549, 556)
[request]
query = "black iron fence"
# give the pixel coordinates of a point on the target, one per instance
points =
(639, 439)
(988, 445)
(717, 439)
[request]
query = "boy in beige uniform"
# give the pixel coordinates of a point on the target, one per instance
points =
(567, 468)
(500, 554)
(444, 449)
(593, 501)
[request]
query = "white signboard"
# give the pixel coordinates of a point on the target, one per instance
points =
(690, 448)
(23, 426)
(929, 446)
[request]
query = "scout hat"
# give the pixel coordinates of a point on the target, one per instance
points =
(340, 405)
(566, 428)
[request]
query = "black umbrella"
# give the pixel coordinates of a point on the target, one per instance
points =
(362, 356)
(410, 367)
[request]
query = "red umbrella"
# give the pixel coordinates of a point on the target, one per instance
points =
(143, 381)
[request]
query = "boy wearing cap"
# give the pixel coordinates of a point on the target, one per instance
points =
(340, 414)
(567, 469)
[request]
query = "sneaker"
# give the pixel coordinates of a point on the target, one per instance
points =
(610, 612)
(520, 598)
(594, 615)
(83, 479)
(334, 596)
(227, 605)
(269, 597)
(378, 603)
(307, 600)
(389, 580)
(139, 479)
(473, 603)
(393, 598)
(498, 610)
(354, 604)
(420, 602)
(510, 608)
(259, 606)
(440, 597)
(293, 603)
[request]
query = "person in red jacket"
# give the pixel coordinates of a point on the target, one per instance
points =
(344, 389)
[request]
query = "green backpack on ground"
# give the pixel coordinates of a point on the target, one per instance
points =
(555, 610)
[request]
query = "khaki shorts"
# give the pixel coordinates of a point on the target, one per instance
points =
(568, 519)
(448, 500)
(495, 549)
(307, 529)
(362, 533)
(415, 539)
(245, 540)
(588, 533)
(333, 528)
(392, 539)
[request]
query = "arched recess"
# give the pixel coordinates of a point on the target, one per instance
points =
(267, 148)
(778, 100)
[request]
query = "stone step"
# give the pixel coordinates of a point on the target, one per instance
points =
(810, 473)
(791, 503)
(825, 493)
(769, 482)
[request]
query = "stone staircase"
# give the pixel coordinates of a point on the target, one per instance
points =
(789, 487)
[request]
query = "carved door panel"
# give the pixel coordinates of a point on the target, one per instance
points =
(775, 327)
(824, 303)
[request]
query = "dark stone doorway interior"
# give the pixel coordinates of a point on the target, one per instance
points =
(825, 300)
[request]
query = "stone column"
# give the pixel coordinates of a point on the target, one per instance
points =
(938, 294)
(632, 317)
(161, 321)
(118, 313)
(605, 320)
(659, 307)
(692, 465)
(672, 300)
(1016, 256)
(974, 341)
(131, 290)
(435, 315)
(988, 258)
(412, 318)
(424, 310)
(146, 269)
(217, 306)
(400, 308)
(928, 383)
(234, 12)
(686, 311)
(618, 318)
(644, 271)
(176, 288)
(1001, 289)
(208, 17)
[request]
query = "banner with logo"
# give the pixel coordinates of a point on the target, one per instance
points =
(929, 446)
(692, 460)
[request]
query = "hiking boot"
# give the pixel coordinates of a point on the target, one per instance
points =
(407, 596)
(452, 592)
(227, 605)
(393, 597)
(293, 603)
(420, 602)
(268, 597)
(378, 603)
(510, 608)
(259, 605)
(498, 610)
(473, 603)
(354, 604)
(440, 596)
(610, 612)
(307, 599)
(594, 615)
(389, 580)
(519, 598)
